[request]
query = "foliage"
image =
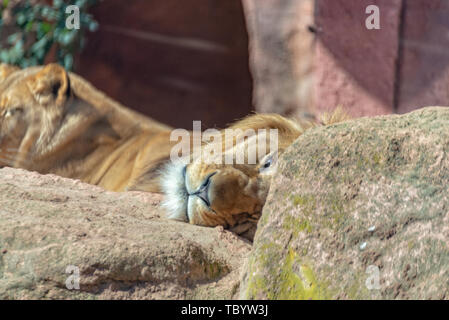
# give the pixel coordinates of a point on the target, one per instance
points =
(29, 29)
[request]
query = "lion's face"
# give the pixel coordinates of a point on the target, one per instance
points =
(30, 109)
(205, 193)
(218, 194)
(13, 126)
(212, 194)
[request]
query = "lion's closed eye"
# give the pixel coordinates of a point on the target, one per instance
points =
(11, 112)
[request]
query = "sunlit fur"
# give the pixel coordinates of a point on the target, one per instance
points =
(6, 70)
(55, 122)
(237, 192)
(52, 121)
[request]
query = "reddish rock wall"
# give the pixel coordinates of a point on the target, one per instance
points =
(173, 60)
(399, 68)
(281, 48)
(356, 67)
(182, 62)
(424, 76)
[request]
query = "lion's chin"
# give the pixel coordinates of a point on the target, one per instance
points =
(198, 212)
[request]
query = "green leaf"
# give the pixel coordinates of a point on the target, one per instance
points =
(29, 26)
(4, 56)
(13, 38)
(57, 3)
(93, 26)
(21, 18)
(45, 26)
(68, 61)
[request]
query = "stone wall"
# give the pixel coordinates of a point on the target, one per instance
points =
(399, 68)
(356, 67)
(179, 63)
(282, 51)
(173, 60)
(424, 77)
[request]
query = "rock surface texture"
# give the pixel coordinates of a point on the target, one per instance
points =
(359, 210)
(122, 247)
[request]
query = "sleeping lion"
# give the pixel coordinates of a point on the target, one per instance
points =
(52, 121)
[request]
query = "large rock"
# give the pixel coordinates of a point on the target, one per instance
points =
(358, 210)
(119, 242)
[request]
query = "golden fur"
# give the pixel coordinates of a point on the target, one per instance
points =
(52, 121)
(6, 70)
(232, 195)
(55, 122)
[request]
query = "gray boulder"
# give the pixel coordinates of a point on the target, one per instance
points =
(53, 229)
(359, 210)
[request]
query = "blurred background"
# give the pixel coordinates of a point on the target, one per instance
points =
(218, 60)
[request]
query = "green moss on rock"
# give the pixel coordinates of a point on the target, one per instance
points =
(367, 183)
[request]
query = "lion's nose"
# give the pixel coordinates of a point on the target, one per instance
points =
(203, 190)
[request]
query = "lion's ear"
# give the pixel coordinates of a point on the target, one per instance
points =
(6, 70)
(51, 85)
